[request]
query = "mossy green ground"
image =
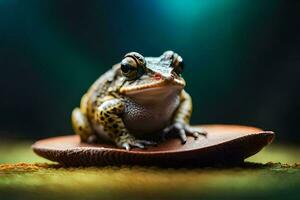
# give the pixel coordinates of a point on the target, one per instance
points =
(36, 178)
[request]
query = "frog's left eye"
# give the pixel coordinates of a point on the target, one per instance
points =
(132, 65)
(129, 68)
(178, 64)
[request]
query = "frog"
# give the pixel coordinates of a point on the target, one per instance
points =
(138, 97)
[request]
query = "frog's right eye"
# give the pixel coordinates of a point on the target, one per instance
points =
(178, 64)
(129, 68)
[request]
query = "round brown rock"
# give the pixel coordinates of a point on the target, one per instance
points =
(224, 144)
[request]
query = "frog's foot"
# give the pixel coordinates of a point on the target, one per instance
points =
(92, 139)
(182, 130)
(128, 142)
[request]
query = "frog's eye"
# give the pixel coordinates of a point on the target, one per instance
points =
(132, 66)
(178, 64)
(176, 61)
(129, 68)
(140, 60)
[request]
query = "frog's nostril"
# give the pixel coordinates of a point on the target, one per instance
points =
(171, 77)
(157, 76)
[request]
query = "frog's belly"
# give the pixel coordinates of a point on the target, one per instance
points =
(143, 120)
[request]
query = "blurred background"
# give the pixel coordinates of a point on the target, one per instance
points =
(242, 58)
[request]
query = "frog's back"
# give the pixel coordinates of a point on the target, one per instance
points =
(98, 91)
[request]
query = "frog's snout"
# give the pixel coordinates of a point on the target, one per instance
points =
(171, 77)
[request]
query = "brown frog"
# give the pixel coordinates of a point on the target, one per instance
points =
(138, 97)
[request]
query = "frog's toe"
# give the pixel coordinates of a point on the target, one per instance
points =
(137, 144)
(92, 139)
(125, 146)
(183, 130)
(195, 132)
(141, 144)
(167, 130)
(178, 129)
(182, 135)
(147, 143)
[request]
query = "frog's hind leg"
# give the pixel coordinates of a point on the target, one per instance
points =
(82, 126)
(108, 115)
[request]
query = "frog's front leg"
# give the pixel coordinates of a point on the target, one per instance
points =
(108, 114)
(180, 123)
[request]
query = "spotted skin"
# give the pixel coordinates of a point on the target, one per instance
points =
(107, 115)
(81, 125)
(137, 97)
(184, 111)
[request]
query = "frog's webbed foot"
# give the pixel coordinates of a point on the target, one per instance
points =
(127, 142)
(182, 130)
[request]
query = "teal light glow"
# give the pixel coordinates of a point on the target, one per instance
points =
(189, 11)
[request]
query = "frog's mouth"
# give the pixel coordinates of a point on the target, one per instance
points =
(152, 88)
